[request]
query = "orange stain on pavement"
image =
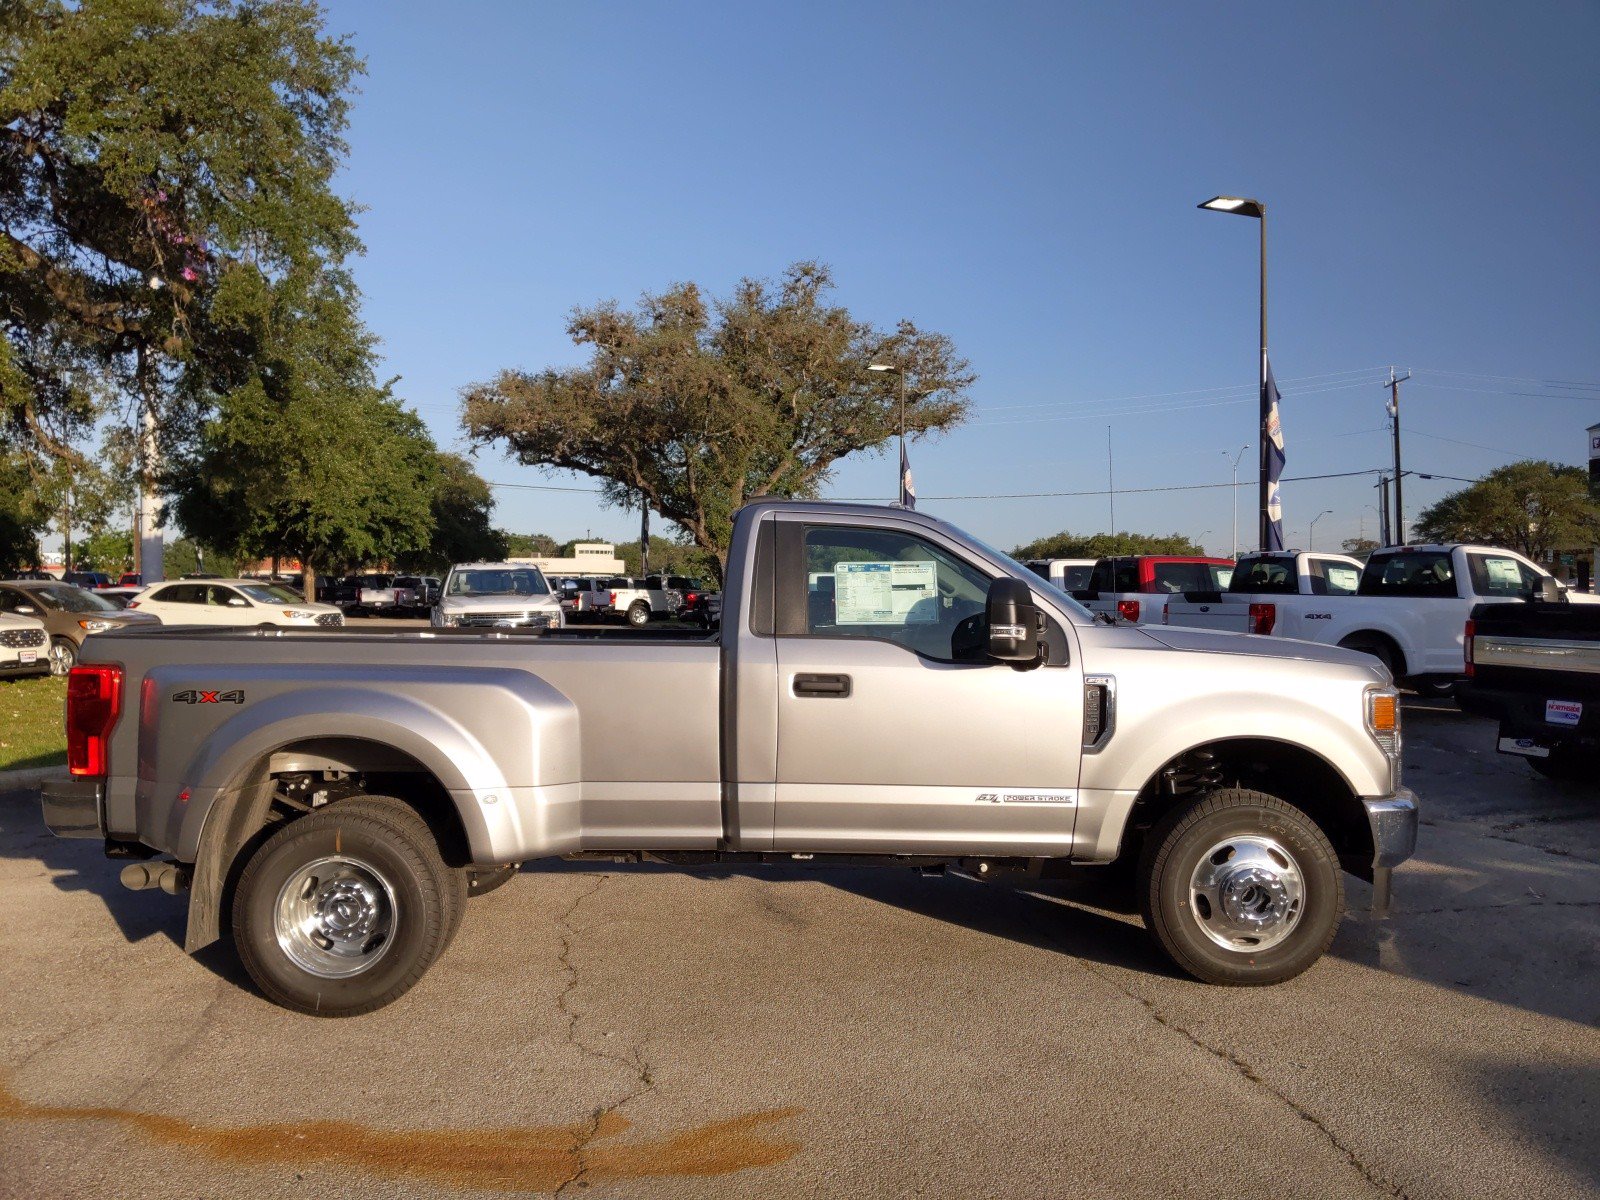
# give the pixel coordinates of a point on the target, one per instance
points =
(530, 1159)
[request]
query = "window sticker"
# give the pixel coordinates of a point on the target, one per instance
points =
(1503, 574)
(886, 593)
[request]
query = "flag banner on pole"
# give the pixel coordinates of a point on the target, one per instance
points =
(1274, 461)
(908, 490)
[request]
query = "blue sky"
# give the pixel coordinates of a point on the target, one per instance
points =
(1024, 179)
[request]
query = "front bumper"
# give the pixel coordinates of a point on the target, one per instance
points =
(1393, 820)
(40, 666)
(73, 807)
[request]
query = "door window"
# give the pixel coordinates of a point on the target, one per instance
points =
(1501, 575)
(891, 586)
(1125, 575)
(1332, 578)
(181, 593)
(1420, 573)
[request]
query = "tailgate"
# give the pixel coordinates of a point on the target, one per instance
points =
(1228, 616)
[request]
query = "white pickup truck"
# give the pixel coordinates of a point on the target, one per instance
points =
(1249, 603)
(638, 600)
(1410, 608)
(1068, 574)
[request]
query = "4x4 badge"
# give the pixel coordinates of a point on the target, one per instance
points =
(198, 697)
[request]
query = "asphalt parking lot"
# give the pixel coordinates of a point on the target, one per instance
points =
(634, 1031)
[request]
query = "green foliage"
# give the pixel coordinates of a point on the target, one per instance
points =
(533, 545)
(1532, 506)
(185, 556)
(699, 406)
(308, 456)
(110, 550)
(23, 515)
(1101, 545)
(667, 557)
(1360, 547)
(461, 506)
(161, 161)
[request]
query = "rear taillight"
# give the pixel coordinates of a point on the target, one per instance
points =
(94, 701)
(1263, 617)
(1466, 643)
(613, 599)
(1128, 610)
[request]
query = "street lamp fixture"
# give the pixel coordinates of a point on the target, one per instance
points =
(880, 367)
(1311, 535)
(1245, 207)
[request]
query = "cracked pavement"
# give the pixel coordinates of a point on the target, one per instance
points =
(932, 1036)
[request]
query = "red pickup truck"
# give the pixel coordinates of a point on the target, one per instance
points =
(1127, 586)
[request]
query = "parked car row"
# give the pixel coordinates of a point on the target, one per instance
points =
(1407, 606)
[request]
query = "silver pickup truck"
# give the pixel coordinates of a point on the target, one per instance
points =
(334, 797)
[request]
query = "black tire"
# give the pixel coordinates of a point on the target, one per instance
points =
(1180, 917)
(1440, 687)
(638, 614)
(1378, 648)
(63, 655)
(371, 846)
(482, 881)
(1567, 765)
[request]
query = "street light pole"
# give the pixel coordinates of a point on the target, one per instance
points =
(1245, 207)
(1236, 459)
(900, 371)
(1311, 533)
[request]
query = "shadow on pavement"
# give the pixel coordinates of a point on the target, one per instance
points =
(80, 865)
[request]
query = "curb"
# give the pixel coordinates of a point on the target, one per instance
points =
(32, 777)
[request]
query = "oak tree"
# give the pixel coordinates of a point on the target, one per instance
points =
(695, 406)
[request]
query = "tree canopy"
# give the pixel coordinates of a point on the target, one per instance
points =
(699, 405)
(159, 160)
(461, 505)
(308, 455)
(1067, 544)
(1533, 506)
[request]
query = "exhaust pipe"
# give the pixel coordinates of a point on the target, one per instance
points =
(169, 877)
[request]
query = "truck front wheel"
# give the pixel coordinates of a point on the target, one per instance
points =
(1240, 888)
(342, 911)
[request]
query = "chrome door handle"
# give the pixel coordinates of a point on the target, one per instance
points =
(822, 685)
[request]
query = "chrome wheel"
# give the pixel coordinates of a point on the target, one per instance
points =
(335, 917)
(63, 656)
(1247, 893)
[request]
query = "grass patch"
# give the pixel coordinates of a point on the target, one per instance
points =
(32, 722)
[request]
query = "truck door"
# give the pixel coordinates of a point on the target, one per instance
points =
(895, 733)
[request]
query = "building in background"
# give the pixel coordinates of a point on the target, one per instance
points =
(587, 558)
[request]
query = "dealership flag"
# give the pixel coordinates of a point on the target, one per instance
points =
(908, 490)
(1274, 462)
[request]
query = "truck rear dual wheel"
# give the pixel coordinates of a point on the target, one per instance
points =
(638, 614)
(1240, 888)
(340, 912)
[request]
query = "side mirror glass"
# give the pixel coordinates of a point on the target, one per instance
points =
(1013, 622)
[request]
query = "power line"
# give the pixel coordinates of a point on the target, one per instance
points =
(1227, 387)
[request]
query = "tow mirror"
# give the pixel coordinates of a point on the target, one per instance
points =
(1551, 590)
(1013, 622)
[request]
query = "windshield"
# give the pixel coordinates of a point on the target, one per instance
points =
(1021, 572)
(267, 593)
(72, 599)
(498, 581)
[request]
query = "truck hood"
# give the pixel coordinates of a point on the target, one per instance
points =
(1210, 641)
(502, 603)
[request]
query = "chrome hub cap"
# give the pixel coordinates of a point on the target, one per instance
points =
(335, 917)
(1247, 893)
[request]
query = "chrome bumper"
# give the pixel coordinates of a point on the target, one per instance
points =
(1394, 839)
(72, 806)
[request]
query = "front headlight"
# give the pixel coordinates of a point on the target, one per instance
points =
(1383, 723)
(94, 626)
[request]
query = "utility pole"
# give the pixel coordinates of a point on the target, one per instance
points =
(1394, 412)
(1383, 510)
(1111, 483)
(644, 535)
